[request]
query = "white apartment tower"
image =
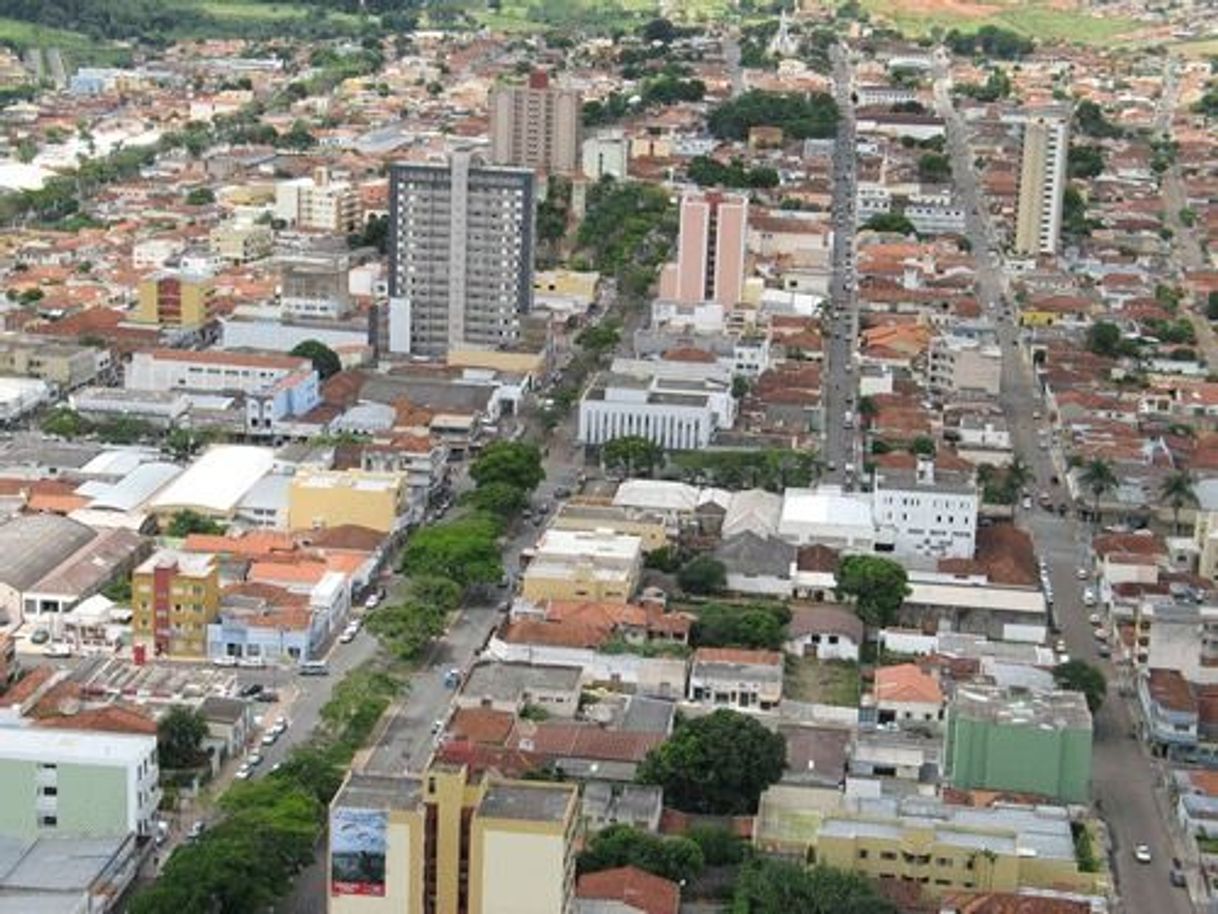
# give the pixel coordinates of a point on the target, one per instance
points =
(1042, 182)
(461, 255)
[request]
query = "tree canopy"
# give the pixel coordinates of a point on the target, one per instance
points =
(499, 498)
(1081, 676)
(517, 463)
(757, 625)
(890, 222)
(718, 764)
(990, 41)
(186, 522)
(777, 887)
(632, 455)
(708, 172)
(179, 738)
(466, 550)
(877, 585)
(325, 360)
(674, 858)
(799, 116)
(702, 574)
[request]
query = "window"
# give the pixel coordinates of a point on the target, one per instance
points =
(50, 791)
(48, 821)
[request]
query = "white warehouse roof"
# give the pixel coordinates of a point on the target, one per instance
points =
(217, 481)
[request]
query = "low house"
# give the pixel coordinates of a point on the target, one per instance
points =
(757, 565)
(906, 694)
(626, 890)
(825, 632)
(1169, 710)
(230, 723)
(636, 805)
(512, 686)
(736, 678)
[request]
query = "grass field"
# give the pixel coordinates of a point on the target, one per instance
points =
(827, 682)
(26, 34)
(1039, 21)
(1205, 48)
(241, 11)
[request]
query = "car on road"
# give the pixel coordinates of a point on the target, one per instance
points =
(437, 726)
(1104, 650)
(243, 773)
(252, 663)
(1082, 574)
(1176, 876)
(58, 650)
(269, 737)
(254, 759)
(196, 830)
(1060, 646)
(251, 690)
(314, 668)
(373, 601)
(1027, 502)
(1142, 854)
(224, 660)
(1088, 597)
(1095, 619)
(281, 724)
(40, 636)
(348, 635)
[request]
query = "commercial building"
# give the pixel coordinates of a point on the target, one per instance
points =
(945, 848)
(607, 154)
(461, 255)
(922, 510)
(829, 516)
(172, 298)
(728, 677)
(675, 413)
(19, 396)
(536, 126)
(174, 597)
(440, 843)
(1037, 742)
(57, 783)
(710, 250)
(63, 365)
(1042, 183)
(315, 286)
(215, 484)
(964, 365)
(333, 498)
(238, 243)
(318, 203)
(583, 565)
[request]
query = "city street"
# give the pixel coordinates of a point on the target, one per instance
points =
(840, 323)
(1125, 778)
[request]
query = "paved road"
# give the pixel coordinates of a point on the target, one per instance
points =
(841, 324)
(1124, 776)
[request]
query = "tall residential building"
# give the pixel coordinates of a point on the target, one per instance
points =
(175, 299)
(1042, 182)
(174, 595)
(318, 203)
(441, 844)
(56, 782)
(710, 249)
(536, 125)
(461, 242)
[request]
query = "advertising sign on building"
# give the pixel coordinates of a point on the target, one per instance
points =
(357, 851)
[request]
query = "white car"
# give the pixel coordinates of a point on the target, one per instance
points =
(1088, 597)
(1095, 619)
(346, 637)
(269, 737)
(1083, 574)
(1141, 853)
(58, 650)
(243, 773)
(253, 663)
(373, 601)
(225, 660)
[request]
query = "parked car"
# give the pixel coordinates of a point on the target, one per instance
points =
(347, 636)
(40, 636)
(196, 830)
(225, 660)
(314, 668)
(1177, 879)
(251, 690)
(269, 737)
(254, 759)
(1142, 854)
(1082, 574)
(1088, 597)
(58, 649)
(373, 601)
(1095, 619)
(243, 773)
(252, 663)
(267, 696)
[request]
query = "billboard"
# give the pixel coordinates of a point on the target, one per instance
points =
(357, 851)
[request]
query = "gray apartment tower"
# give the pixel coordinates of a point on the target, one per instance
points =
(536, 126)
(461, 249)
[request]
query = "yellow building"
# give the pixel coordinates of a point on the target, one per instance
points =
(174, 595)
(942, 847)
(174, 299)
(238, 243)
(584, 565)
(444, 845)
(646, 525)
(331, 498)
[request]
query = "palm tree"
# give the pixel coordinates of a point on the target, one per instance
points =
(1177, 490)
(1098, 479)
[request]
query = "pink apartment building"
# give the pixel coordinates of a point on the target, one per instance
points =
(710, 250)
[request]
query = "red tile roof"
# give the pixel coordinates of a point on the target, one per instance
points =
(633, 887)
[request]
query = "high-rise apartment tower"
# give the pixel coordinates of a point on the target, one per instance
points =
(536, 125)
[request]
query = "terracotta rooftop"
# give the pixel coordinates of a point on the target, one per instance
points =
(482, 725)
(109, 719)
(637, 889)
(906, 682)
